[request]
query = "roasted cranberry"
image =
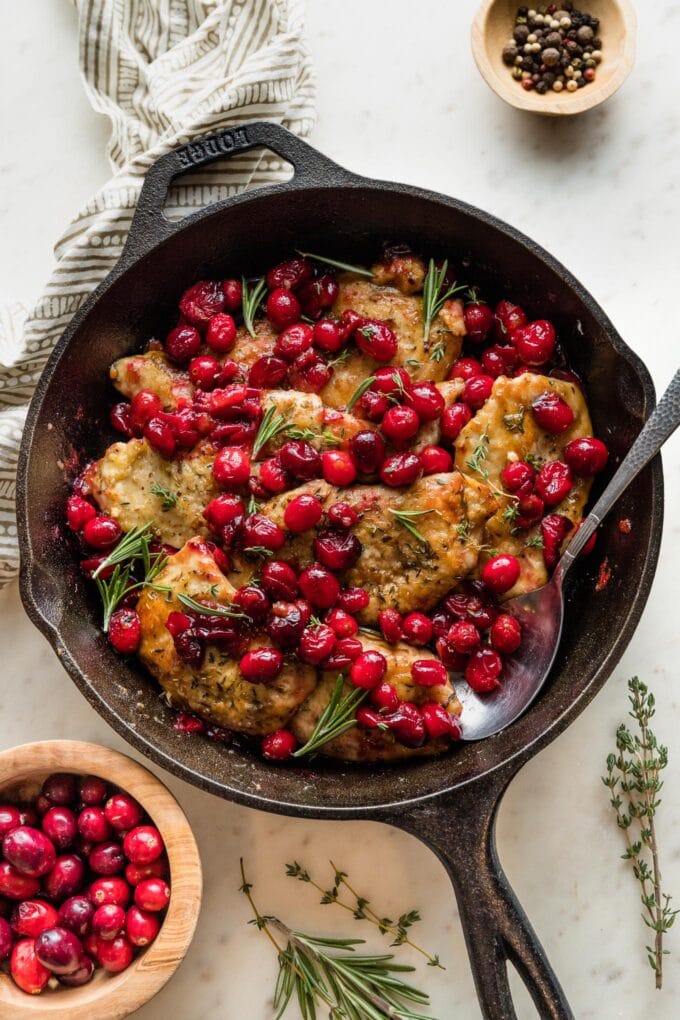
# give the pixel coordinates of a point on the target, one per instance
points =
(141, 927)
(401, 469)
(376, 340)
(477, 391)
(227, 401)
(182, 343)
(518, 474)
(554, 482)
(586, 456)
(465, 368)
(283, 308)
(407, 724)
(101, 532)
(310, 373)
(345, 652)
(501, 573)
(152, 894)
(110, 890)
(438, 722)
(125, 631)
(285, 624)
(29, 851)
(274, 476)
(317, 295)
(368, 669)
(108, 921)
(400, 424)
(32, 917)
(115, 955)
(279, 745)
(143, 844)
(455, 418)
(289, 274)
(463, 637)
(338, 467)
(261, 531)
(435, 459)
(231, 468)
(391, 382)
(79, 512)
(319, 585)
(483, 669)
(506, 634)
(554, 530)
(428, 672)
(92, 790)
(316, 644)
(120, 418)
(160, 434)
(76, 914)
(478, 321)
(441, 621)
(508, 317)
(374, 405)
(417, 629)
(300, 459)
(552, 413)
(267, 372)
(233, 294)
(426, 400)
(342, 515)
(144, 405)
(368, 717)
(327, 336)
(498, 360)
(530, 509)
(534, 343)
(471, 607)
(452, 659)
(204, 372)
(279, 581)
(200, 302)
(342, 623)
(294, 341)
(224, 511)
(107, 859)
(337, 550)
(390, 623)
(384, 696)
(259, 666)
(26, 969)
(368, 449)
(10, 818)
(221, 333)
(353, 600)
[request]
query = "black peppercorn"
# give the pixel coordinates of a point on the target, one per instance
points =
(521, 34)
(542, 87)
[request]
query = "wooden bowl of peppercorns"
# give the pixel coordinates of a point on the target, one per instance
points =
(556, 59)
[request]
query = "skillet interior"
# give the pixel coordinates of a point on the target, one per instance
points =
(68, 424)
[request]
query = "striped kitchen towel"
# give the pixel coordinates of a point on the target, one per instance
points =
(164, 72)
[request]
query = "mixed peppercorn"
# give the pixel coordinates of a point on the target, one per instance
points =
(554, 46)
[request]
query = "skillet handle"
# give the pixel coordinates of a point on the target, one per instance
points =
(460, 828)
(150, 226)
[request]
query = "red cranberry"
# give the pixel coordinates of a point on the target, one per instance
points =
(587, 456)
(310, 373)
(279, 581)
(317, 295)
(384, 696)
(120, 418)
(374, 405)
(144, 405)
(259, 666)
(517, 474)
(10, 818)
(152, 894)
(463, 637)
(552, 413)
(204, 372)
(390, 623)
(407, 724)
(279, 745)
(554, 482)
(534, 343)
(80, 976)
(289, 274)
(224, 511)
(101, 532)
(554, 530)
(345, 652)
(483, 670)
(274, 476)
(283, 308)
(498, 360)
(267, 372)
(319, 585)
(376, 340)
(59, 950)
(200, 302)
(300, 459)
(286, 624)
(79, 512)
(108, 921)
(391, 382)
(337, 550)
(76, 914)
(426, 401)
(477, 391)
(342, 623)
(353, 600)
(160, 434)
(233, 294)
(110, 890)
(316, 644)
(342, 515)
(143, 844)
(92, 790)
(29, 851)
(428, 673)
(508, 317)
(368, 669)
(221, 333)
(29, 816)
(478, 321)
(294, 341)
(368, 449)
(66, 877)
(327, 336)
(107, 859)
(465, 368)
(501, 573)
(417, 629)
(438, 722)
(506, 634)
(455, 418)
(338, 467)
(114, 956)
(141, 927)
(227, 401)
(182, 343)
(400, 424)
(368, 717)
(6, 939)
(261, 531)
(435, 459)
(26, 969)
(441, 621)
(231, 468)
(32, 917)
(125, 631)
(122, 812)
(530, 510)
(59, 825)
(452, 659)
(61, 788)
(93, 826)
(14, 885)
(401, 469)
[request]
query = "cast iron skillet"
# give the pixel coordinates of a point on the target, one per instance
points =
(451, 802)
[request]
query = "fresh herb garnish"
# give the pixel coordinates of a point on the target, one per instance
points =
(252, 506)
(348, 985)
(535, 461)
(259, 550)
(437, 351)
(511, 512)
(514, 422)
(479, 455)
(535, 542)
(337, 717)
(271, 426)
(169, 499)
(434, 298)
(405, 518)
(463, 529)
(360, 390)
(253, 294)
(132, 549)
(346, 266)
(326, 437)
(230, 612)
(634, 784)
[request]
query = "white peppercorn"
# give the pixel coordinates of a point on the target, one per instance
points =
(572, 85)
(557, 86)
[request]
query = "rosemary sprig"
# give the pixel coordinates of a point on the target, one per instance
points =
(434, 297)
(360, 390)
(337, 717)
(205, 610)
(634, 784)
(479, 455)
(168, 499)
(253, 293)
(271, 426)
(133, 546)
(252, 506)
(361, 909)
(405, 518)
(347, 266)
(350, 986)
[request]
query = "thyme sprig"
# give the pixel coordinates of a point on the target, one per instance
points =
(309, 435)
(479, 455)
(353, 987)
(405, 518)
(168, 498)
(133, 549)
(361, 909)
(337, 718)
(434, 297)
(634, 784)
(271, 426)
(360, 390)
(346, 266)
(203, 609)
(253, 293)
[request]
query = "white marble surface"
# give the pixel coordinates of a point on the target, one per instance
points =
(399, 97)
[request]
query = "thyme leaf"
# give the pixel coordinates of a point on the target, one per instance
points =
(479, 455)
(168, 499)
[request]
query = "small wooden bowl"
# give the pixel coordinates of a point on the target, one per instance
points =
(493, 26)
(110, 996)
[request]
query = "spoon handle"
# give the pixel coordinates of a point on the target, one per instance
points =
(661, 424)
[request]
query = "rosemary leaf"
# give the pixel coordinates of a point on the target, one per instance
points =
(405, 518)
(271, 426)
(359, 391)
(346, 266)
(434, 297)
(253, 294)
(337, 717)
(203, 609)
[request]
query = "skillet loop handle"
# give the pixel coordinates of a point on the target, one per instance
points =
(149, 225)
(460, 829)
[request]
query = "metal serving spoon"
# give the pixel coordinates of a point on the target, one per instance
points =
(541, 612)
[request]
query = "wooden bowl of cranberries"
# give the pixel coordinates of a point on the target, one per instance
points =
(100, 882)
